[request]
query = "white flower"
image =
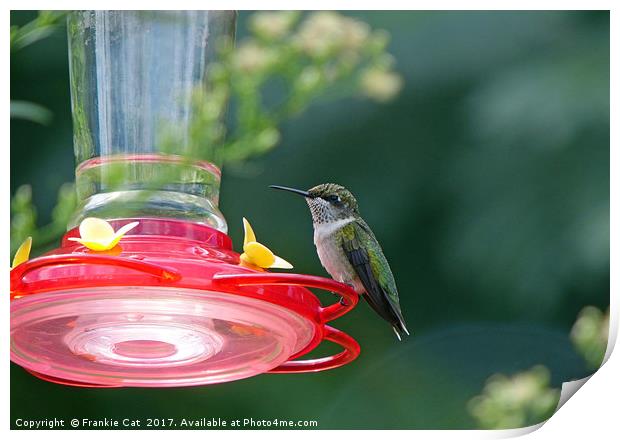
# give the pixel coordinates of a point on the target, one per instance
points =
(326, 32)
(273, 25)
(380, 84)
(355, 33)
(321, 33)
(250, 57)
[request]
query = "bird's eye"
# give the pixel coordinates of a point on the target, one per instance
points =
(334, 199)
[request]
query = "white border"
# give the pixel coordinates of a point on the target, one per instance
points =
(591, 413)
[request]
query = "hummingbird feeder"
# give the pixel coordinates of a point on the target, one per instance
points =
(171, 305)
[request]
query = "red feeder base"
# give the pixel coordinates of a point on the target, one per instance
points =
(172, 307)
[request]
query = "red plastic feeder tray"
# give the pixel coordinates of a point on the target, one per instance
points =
(170, 306)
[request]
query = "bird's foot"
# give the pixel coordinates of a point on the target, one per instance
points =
(343, 301)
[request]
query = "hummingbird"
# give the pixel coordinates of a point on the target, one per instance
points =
(349, 250)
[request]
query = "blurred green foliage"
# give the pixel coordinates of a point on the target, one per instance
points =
(284, 65)
(590, 335)
(523, 399)
(486, 181)
(42, 26)
(23, 212)
(30, 111)
(45, 23)
(24, 217)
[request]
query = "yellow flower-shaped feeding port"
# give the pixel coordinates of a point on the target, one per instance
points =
(98, 235)
(23, 253)
(256, 254)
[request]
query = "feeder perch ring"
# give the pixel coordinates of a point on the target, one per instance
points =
(173, 309)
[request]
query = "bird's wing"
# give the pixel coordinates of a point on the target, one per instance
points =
(373, 270)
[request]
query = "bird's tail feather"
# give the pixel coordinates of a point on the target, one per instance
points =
(396, 332)
(390, 314)
(399, 329)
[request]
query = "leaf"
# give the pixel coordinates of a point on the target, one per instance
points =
(39, 28)
(30, 112)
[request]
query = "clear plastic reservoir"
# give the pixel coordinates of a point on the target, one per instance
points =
(133, 75)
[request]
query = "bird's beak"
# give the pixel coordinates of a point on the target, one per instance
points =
(293, 190)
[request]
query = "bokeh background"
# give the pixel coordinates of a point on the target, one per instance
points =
(486, 181)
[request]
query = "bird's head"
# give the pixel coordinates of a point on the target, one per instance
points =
(328, 202)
